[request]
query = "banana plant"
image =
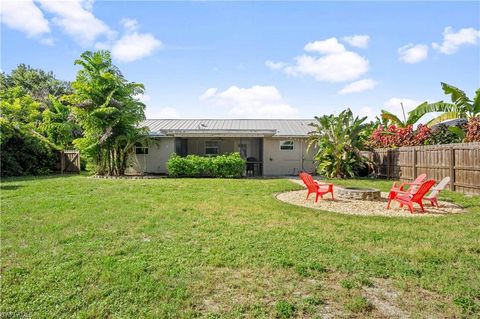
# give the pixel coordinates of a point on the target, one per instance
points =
(393, 119)
(460, 106)
(337, 141)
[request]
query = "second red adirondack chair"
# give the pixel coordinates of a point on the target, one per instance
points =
(412, 186)
(407, 198)
(315, 187)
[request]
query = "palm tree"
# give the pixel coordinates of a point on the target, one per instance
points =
(106, 107)
(338, 140)
(460, 107)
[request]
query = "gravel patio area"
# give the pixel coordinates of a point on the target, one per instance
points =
(365, 208)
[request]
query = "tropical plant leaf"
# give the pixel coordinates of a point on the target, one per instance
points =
(392, 118)
(444, 117)
(457, 96)
(476, 103)
(426, 107)
(458, 131)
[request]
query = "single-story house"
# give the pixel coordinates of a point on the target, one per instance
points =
(271, 147)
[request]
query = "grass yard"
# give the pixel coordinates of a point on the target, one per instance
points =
(183, 248)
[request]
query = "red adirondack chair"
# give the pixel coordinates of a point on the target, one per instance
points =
(407, 198)
(413, 186)
(314, 187)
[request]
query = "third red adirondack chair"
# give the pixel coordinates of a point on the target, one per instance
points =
(314, 187)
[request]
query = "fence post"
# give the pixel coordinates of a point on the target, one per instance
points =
(452, 168)
(62, 162)
(414, 163)
(78, 162)
(388, 164)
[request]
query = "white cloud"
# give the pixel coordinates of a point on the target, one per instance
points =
(134, 46)
(413, 53)
(75, 17)
(346, 66)
(208, 93)
(129, 24)
(329, 46)
(358, 86)
(453, 40)
(358, 41)
(336, 64)
(162, 113)
(275, 65)
(254, 102)
(24, 16)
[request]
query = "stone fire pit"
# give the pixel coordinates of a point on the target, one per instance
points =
(358, 193)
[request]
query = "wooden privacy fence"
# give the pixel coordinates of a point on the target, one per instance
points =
(69, 162)
(459, 161)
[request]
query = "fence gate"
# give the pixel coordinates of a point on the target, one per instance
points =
(69, 162)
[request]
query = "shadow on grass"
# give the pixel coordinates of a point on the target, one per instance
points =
(9, 187)
(37, 177)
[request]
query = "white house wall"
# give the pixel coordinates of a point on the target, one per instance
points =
(275, 161)
(155, 161)
(286, 162)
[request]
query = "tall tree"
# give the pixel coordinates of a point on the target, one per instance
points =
(106, 107)
(55, 123)
(37, 83)
(24, 150)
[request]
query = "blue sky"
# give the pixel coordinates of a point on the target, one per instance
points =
(257, 59)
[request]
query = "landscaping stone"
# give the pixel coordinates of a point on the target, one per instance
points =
(358, 193)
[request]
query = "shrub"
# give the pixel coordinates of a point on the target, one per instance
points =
(24, 154)
(473, 130)
(442, 135)
(337, 141)
(394, 136)
(226, 166)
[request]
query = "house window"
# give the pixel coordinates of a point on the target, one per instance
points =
(141, 150)
(286, 145)
(211, 147)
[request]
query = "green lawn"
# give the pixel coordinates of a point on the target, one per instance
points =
(80, 247)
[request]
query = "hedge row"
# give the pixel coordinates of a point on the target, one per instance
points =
(227, 166)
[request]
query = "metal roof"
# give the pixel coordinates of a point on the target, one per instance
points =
(263, 127)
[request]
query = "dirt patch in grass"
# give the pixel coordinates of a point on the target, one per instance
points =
(233, 292)
(407, 302)
(366, 208)
(284, 293)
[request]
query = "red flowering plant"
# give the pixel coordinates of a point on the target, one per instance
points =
(473, 130)
(394, 136)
